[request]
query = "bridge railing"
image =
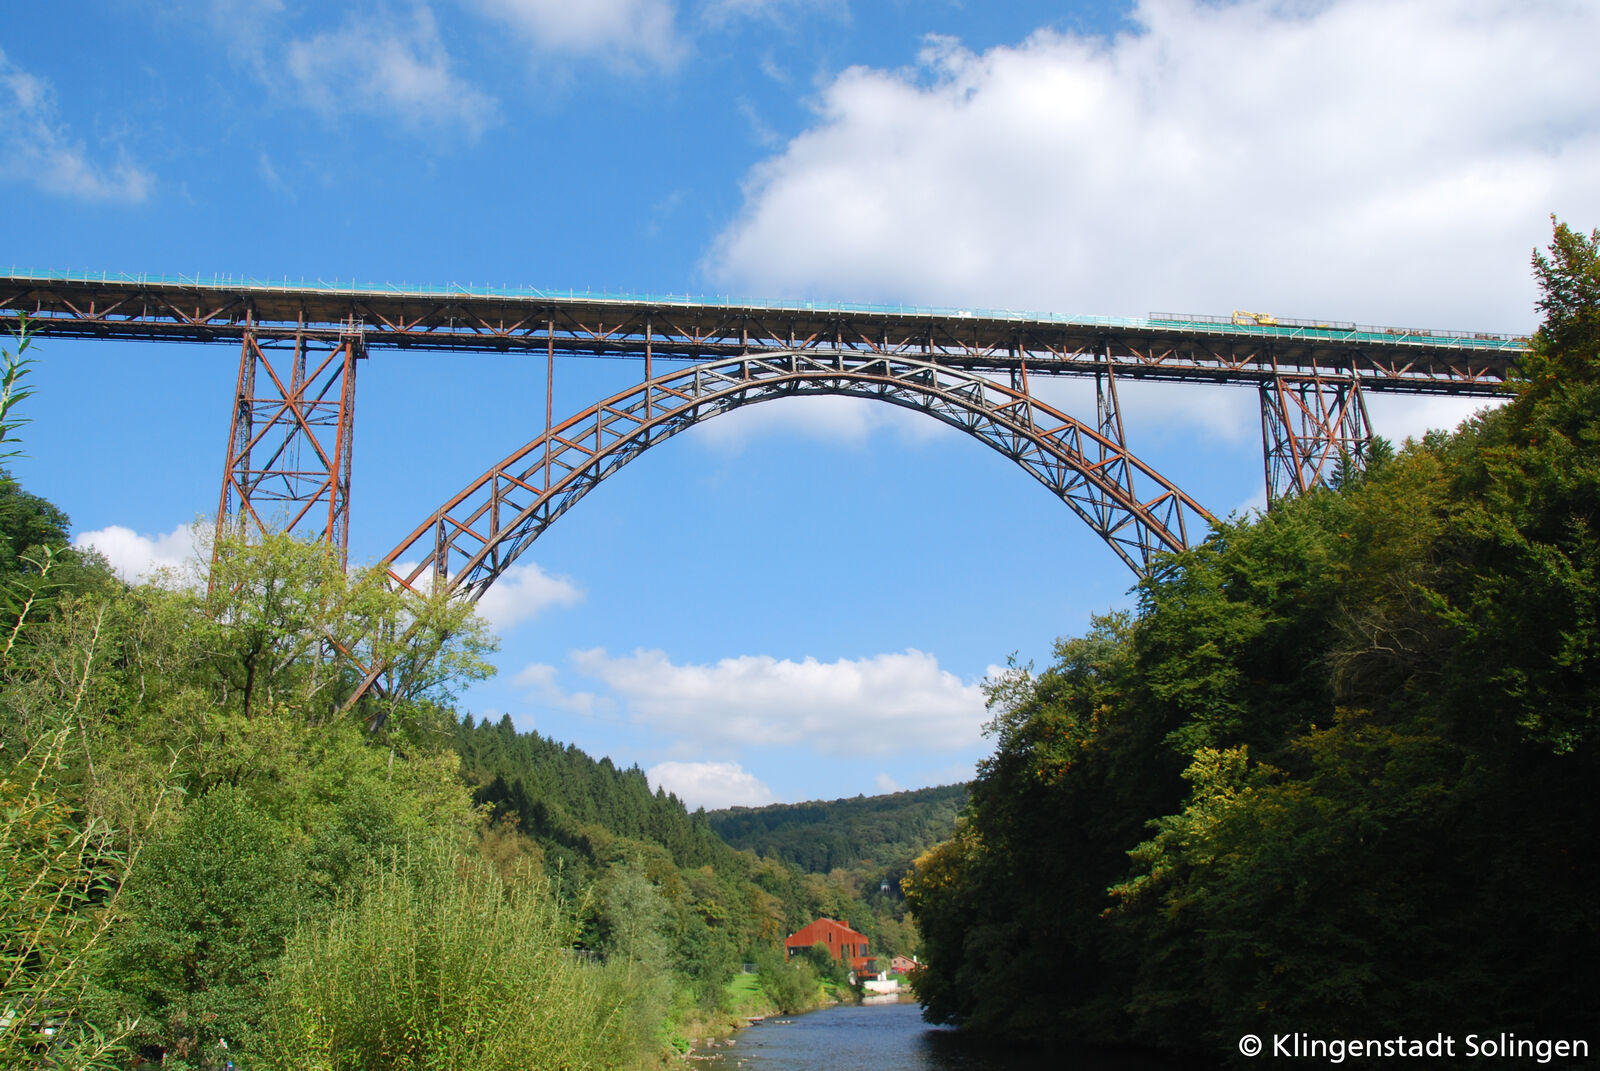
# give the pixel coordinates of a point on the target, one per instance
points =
(1281, 327)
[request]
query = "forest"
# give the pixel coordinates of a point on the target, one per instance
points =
(1336, 774)
(207, 861)
(865, 844)
(876, 835)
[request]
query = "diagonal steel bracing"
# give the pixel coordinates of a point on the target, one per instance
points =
(289, 447)
(480, 531)
(1310, 425)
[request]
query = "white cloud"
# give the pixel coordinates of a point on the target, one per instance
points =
(710, 784)
(1398, 417)
(37, 146)
(829, 418)
(882, 704)
(401, 71)
(1372, 160)
(536, 675)
(541, 680)
(622, 31)
(1156, 412)
(886, 784)
(523, 591)
(137, 557)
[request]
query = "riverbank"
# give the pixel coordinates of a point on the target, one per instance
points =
(749, 1005)
(873, 1033)
(888, 1034)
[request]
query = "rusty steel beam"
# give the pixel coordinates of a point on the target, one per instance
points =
(1310, 425)
(481, 530)
(477, 534)
(1208, 349)
(290, 444)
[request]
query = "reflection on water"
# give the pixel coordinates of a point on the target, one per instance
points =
(889, 1037)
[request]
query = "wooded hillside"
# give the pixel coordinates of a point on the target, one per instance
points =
(863, 832)
(1337, 775)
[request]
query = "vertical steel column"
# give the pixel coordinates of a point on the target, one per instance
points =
(1311, 423)
(1019, 378)
(549, 393)
(1112, 451)
(289, 458)
(229, 513)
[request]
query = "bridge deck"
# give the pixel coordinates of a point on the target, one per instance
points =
(672, 327)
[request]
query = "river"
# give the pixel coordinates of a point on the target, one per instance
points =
(887, 1037)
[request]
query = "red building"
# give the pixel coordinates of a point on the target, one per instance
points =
(838, 938)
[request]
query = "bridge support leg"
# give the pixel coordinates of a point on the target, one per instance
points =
(1110, 454)
(1311, 425)
(289, 449)
(1108, 420)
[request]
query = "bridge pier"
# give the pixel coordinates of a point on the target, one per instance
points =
(289, 453)
(1113, 450)
(1310, 424)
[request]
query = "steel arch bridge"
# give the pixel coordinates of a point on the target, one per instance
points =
(479, 532)
(290, 443)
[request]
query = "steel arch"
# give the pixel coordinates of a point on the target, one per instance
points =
(480, 532)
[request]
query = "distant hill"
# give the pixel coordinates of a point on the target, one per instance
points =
(593, 824)
(570, 803)
(887, 832)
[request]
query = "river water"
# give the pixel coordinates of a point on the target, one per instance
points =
(884, 1037)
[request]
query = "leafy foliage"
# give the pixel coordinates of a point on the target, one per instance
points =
(185, 797)
(868, 833)
(1336, 776)
(467, 970)
(58, 882)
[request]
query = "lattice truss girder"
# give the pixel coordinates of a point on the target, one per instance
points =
(701, 333)
(1405, 360)
(480, 532)
(1310, 424)
(289, 447)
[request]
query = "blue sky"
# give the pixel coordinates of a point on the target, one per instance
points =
(800, 599)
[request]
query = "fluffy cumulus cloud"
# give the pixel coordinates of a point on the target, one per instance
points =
(523, 591)
(519, 593)
(137, 557)
(710, 784)
(541, 681)
(1398, 418)
(623, 31)
(1388, 161)
(888, 703)
(38, 147)
(398, 69)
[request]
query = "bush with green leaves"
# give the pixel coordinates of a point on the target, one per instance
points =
(440, 964)
(60, 869)
(209, 907)
(58, 885)
(793, 986)
(1336, 776)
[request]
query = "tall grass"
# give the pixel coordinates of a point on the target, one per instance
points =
(442, 964)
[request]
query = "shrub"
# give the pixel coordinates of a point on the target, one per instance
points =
(441, 964)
